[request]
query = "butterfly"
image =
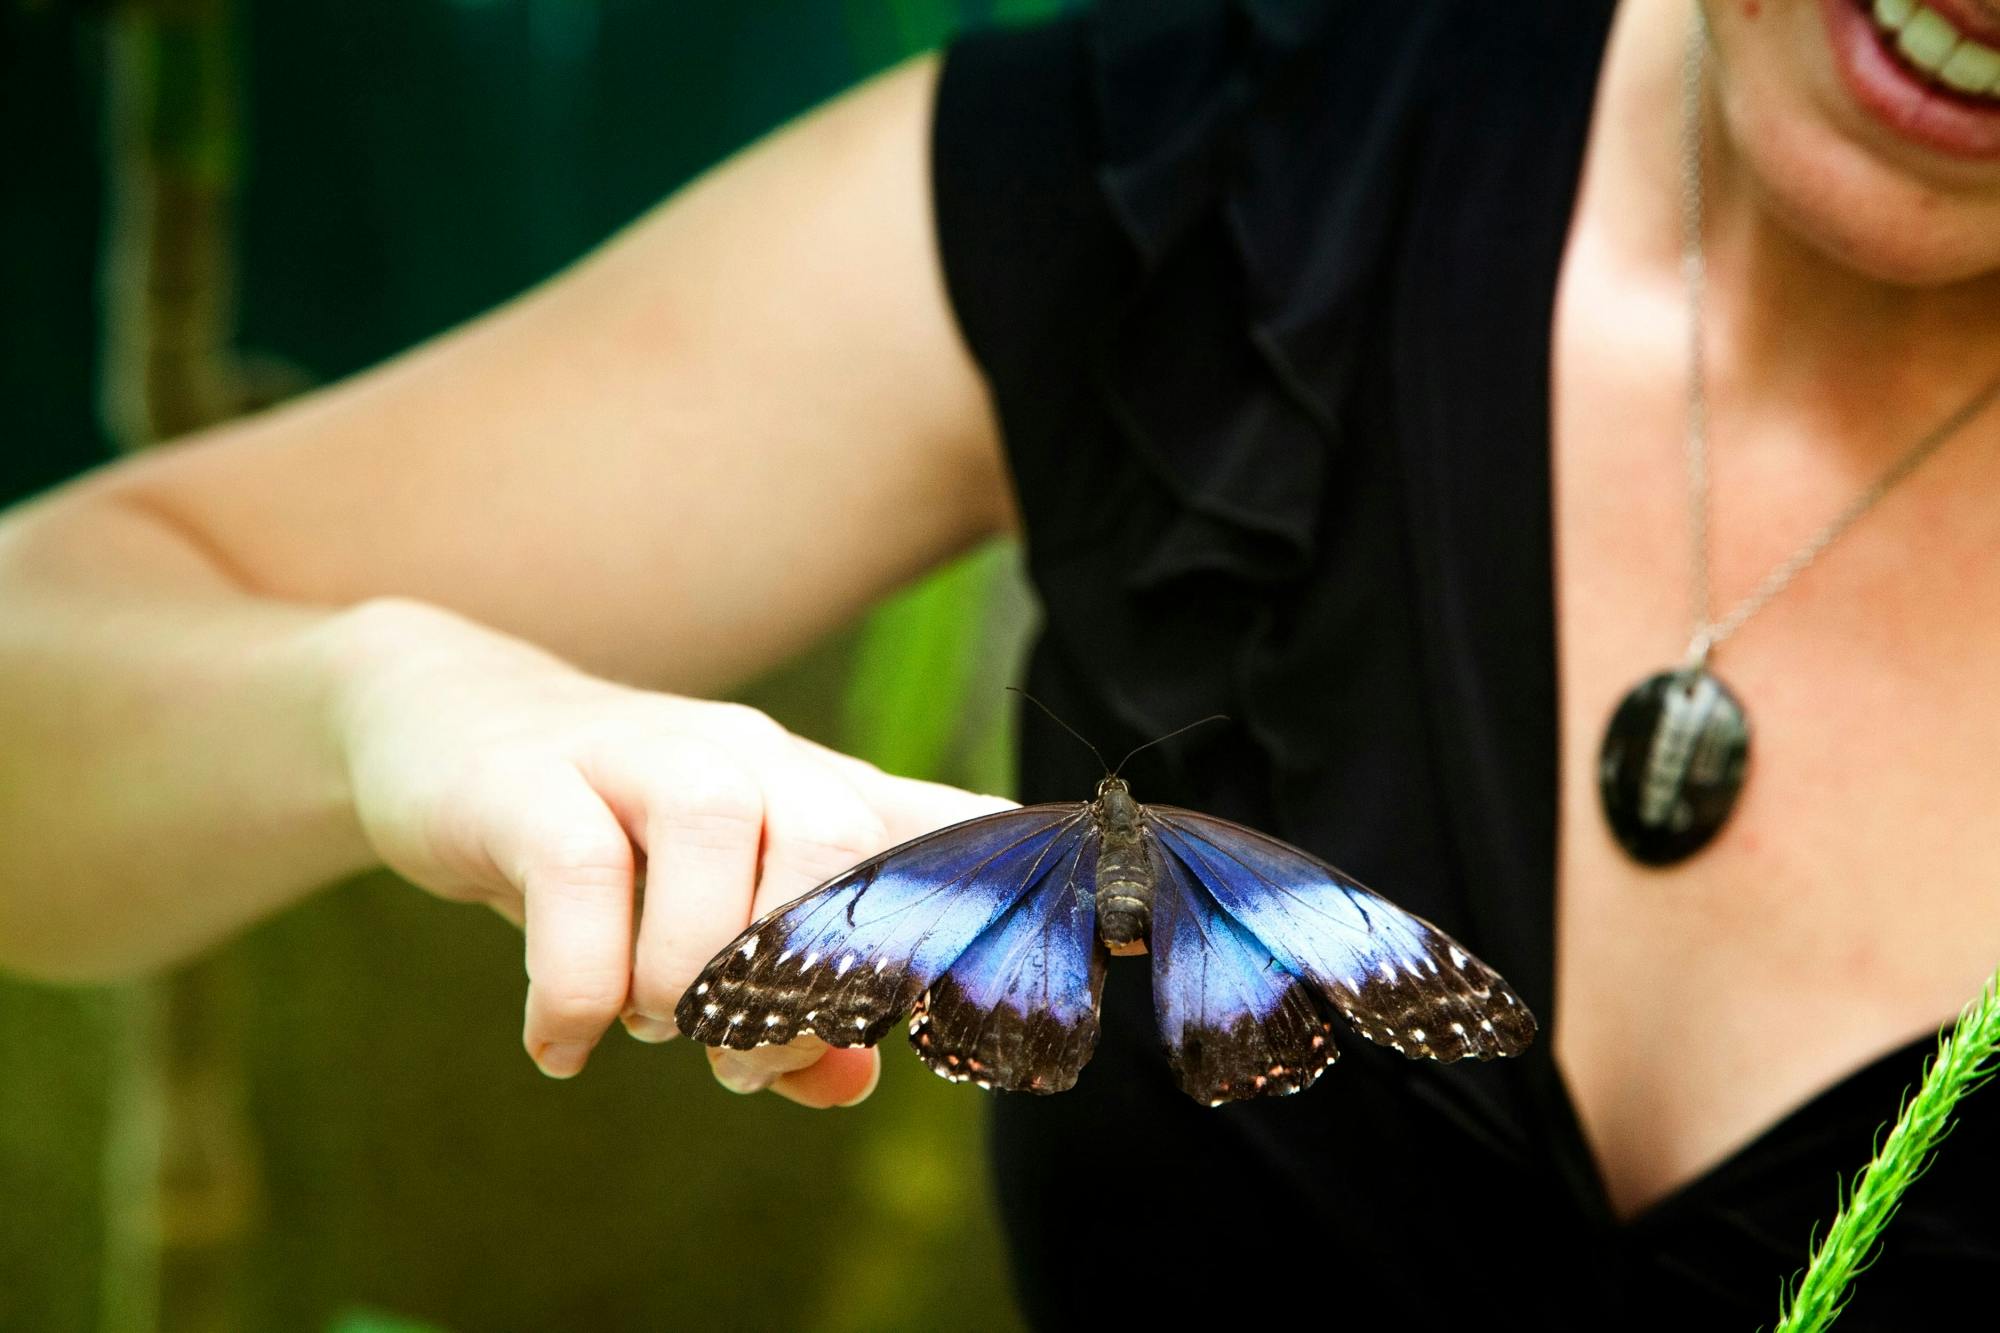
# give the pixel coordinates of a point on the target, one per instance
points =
(991, 937)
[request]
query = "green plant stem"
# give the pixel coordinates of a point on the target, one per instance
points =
(1965, 1059)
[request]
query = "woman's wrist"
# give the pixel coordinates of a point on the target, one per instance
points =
(174, 773)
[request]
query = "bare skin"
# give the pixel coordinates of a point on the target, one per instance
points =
(379, 627)
(1855, 301)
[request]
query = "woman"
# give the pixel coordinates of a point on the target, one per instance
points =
(1335, 364)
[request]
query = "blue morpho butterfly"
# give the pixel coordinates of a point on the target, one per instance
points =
(991, 935)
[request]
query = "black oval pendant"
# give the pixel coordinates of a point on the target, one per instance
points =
(1674, 758)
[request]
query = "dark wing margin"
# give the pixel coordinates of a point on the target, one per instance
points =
(846, 961)
(1397, 979)
(1018, 1010)
(1236, 1023)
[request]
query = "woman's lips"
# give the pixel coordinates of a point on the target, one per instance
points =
(1899, 98)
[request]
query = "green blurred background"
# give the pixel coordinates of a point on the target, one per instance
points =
(208, 205)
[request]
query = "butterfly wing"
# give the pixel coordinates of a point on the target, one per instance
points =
(1400, 981)
(1018, 1009)
(850, 958)
(1236, 1022)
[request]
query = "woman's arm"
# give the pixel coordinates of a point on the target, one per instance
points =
(300, 645)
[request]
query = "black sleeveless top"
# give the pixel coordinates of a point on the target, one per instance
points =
(1263, 292)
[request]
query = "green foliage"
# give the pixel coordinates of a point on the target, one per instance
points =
(901, 26)
(925, 656)
(189, 59)
(362, 1320)
(885, 30)
(1965, 1059)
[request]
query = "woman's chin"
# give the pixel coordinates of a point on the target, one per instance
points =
(1872, 219)
(1907, 204)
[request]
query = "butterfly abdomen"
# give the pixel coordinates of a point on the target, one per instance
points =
(1125, 875)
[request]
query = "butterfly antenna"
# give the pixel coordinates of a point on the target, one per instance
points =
(1212, 717)
(1015, 689)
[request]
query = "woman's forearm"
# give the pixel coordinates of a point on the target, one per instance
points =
(169, 767)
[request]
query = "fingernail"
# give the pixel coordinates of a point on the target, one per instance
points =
(645, 1028)
(563, 1059)
(739, 1072)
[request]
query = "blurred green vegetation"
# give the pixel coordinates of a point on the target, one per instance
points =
(397, 166)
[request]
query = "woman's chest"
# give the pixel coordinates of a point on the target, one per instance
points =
(1853, 899)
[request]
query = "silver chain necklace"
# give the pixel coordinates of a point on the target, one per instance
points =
(1677, 749)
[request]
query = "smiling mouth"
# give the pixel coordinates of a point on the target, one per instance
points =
(1930, 46)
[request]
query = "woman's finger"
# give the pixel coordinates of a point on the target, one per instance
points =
(816, 825)
(908, 807)
(844, 1076)
(573, 863)
(808, 1072)
(700, 813)
(823, 817)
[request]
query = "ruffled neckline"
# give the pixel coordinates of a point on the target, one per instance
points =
(1217, 153)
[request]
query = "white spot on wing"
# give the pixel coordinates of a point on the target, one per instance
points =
(749, 949)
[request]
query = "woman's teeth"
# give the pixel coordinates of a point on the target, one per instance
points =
(1930, 44)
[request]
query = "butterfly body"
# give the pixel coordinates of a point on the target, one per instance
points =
(992, 936)
(1125, 876)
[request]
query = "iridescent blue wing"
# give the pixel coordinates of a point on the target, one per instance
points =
(852, 957)
(1397, 979)
(1235, 1022)
(1018, 1009)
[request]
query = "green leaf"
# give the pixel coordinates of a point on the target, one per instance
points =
(1965, 1059)
(915, 668)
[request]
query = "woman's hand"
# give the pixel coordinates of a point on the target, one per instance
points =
(485, 770)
